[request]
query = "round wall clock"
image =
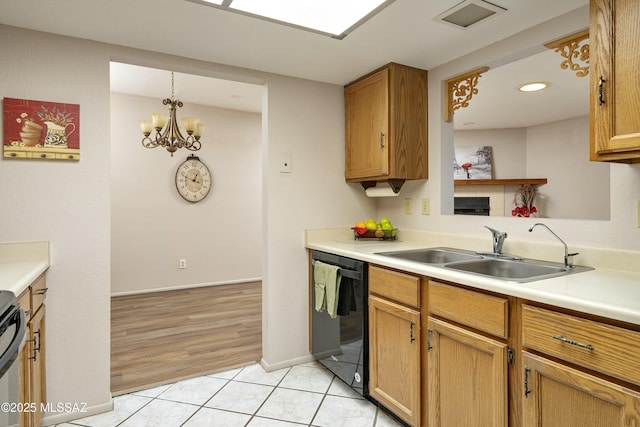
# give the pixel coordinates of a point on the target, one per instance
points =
(193, 179)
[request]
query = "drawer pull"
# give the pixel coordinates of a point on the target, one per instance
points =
(572, 342)
(42, 291)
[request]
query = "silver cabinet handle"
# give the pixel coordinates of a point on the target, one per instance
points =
(381, 140)
(572, 342)
(42, 291)
(413, 325)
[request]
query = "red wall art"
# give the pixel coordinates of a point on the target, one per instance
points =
(41, 130)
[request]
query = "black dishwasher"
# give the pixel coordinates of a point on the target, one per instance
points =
(341, 344)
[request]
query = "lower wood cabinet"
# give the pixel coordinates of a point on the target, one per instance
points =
(443, 354)
(32, 385)
(394, 343)
(467, 377)
(583, 384)
(556, 395)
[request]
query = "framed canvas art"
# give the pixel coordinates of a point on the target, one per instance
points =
(41, 130)
(472, 163)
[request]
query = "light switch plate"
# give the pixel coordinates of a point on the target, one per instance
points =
(408, 206)
(426, 207)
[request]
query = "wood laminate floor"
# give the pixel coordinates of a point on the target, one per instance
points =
(163, 337)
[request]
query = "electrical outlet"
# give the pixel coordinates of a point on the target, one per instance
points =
(183, 263)
(408, 206)
(426, 207)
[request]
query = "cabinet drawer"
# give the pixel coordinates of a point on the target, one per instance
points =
(486, 313)
(24, 299)
(400, 287)
(38, 292)
(604, 348)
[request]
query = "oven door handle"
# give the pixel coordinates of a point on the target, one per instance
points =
(11, 353)
(344, 272)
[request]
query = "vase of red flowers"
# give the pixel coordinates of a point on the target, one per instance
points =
(523, 200)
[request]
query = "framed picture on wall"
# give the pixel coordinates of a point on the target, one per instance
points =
(41, 130)
(472, 163)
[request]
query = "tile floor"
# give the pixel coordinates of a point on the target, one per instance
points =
(303, 395)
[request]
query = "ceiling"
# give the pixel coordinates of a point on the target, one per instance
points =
(403, 32)
(498, 105)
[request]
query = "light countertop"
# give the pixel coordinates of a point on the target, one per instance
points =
(21, 264)
(603, 292)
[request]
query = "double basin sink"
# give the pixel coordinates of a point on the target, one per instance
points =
(497, 266)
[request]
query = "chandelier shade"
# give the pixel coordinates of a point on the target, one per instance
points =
(167, 132)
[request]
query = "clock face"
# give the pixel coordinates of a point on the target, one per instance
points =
(193, 180)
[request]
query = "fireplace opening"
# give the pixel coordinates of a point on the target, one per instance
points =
(471, 206)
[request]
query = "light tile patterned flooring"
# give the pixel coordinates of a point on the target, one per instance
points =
(303, 395)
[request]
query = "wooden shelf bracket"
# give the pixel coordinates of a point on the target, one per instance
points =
(461, 89)
(575, 52)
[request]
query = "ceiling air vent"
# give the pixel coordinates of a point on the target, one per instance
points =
(468, 13)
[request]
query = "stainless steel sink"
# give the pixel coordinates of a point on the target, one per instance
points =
(517, 271)
(513, 270)
(433, 255)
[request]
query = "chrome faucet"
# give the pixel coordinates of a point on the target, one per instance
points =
(498, 240)
(568, 261)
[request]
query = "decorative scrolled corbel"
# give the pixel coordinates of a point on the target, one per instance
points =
(461, 89)
(575, 51)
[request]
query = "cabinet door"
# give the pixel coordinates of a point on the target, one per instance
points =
(558, 396)
(615, 92)
(35, 368)
(467, 377)
(367, 127)
(394, 356)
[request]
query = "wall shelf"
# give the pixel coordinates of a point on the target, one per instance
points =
(511, 181)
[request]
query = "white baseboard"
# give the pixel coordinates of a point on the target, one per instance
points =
(51, 419)
(285, 363)
(190, 286)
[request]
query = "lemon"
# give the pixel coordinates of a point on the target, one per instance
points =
(371, 225)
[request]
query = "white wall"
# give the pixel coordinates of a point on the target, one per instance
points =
(152, 227)
(69, 204)
(577, 188)
(509, 153)
(619, 232)
(66, 203)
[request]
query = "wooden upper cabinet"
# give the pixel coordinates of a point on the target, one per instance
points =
(615, 90)
(386, 125)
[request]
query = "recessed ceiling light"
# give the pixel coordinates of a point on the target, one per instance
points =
(335, 18)
(532, 87)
